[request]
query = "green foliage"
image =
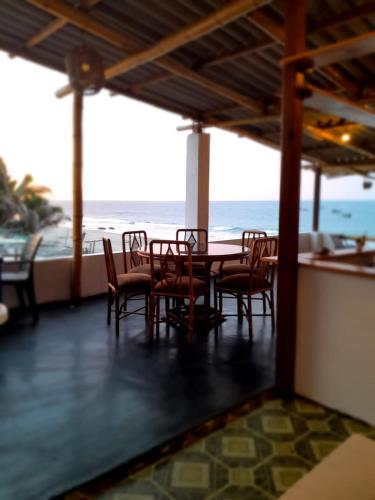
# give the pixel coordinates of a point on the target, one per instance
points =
(24, 206)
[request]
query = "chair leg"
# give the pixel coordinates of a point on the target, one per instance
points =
(117, 313)
(30, 292)
(272, 306)
(147, 307)
(191, 320)
(157, 317)
(166, 315)
(20, 297)
(151, 318)
(216, 310)
(109, 305)
(239, 307)
(264, 302)
(250, 317)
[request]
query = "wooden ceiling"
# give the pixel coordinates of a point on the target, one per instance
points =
(219, 63)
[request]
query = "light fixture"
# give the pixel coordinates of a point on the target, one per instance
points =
(346, 137)
(85, 69)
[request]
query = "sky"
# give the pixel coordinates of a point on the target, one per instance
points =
(132, 151)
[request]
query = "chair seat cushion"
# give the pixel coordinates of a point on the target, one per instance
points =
(235, 269)
(144, 269)
(168, 285)
(15, 277)
(241, 283)
(3, 314)
(134, 282)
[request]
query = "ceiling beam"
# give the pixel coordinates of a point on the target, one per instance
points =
(216, 20)
(53, 27)
(187, 74)
(265, 23)
(230, 55)
(219, 111)
(332, 104)
(324, 135)
(256, 120)
(46, 32)
(349, 48)
(212, 22)
(344, 17)
(227, 56)
(85, 22)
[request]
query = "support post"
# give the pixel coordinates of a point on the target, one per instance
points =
(77, 196)
(292, 120)
(316, 207)
(197, 180)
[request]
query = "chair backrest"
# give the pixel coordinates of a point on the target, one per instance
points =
(261, 271)
(249, 237)
(110, 264)
(29, 252)
(198, 238)
(131, 242)
(172, 260)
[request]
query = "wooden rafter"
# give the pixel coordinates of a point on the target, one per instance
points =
(349, 48)
(256, 120)
(331, 104)
(265, 23)
(85, 22)
(188, 74)
(227, 56)
(324, 135)
(231, 55)
(53, 27)
(217, 19)
(219, 111)
(344, 17)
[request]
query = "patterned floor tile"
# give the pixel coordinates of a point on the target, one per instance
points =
(255, 457)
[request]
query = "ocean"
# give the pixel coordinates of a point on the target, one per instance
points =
(227, 219)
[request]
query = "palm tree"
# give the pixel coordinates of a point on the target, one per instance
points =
(24, 206)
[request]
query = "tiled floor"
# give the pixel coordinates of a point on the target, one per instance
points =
(258, 456)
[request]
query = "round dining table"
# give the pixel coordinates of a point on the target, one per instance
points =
(215, 252)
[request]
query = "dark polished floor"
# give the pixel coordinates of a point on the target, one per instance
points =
(75, 403)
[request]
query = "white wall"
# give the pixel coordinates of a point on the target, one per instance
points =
(335, 357)
(52, 278)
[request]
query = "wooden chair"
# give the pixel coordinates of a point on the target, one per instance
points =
(21, 275)
(172, 259)
(131, 242)
(129, 286)
(3, 308)
(248, 239)
(258, 279)
(198, 238)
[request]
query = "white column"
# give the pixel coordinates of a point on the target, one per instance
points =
(197, 180)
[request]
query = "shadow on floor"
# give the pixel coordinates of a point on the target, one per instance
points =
(75, 402)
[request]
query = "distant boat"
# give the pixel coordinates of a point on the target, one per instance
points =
(101, 228)
(347, 215)
(335, 211)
